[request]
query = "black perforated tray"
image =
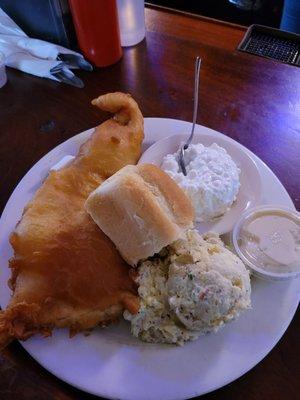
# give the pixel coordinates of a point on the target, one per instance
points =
(272, 43)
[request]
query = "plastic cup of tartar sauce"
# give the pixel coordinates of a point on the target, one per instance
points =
(267, 239)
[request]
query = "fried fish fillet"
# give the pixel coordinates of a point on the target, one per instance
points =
(65, 271)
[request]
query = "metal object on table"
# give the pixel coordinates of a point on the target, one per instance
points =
(73, 81)
(3, 77)
(64, 75)
(75, 61)
(247, 5)
(272, 43)
(184, 147)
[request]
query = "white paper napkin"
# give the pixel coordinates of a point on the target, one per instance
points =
(37, 57)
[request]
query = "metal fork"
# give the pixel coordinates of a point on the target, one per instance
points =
(196, 93)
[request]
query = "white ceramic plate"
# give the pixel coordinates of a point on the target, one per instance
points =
(249, 194)
(110, 362)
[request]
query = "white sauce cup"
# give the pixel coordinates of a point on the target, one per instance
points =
(282, 271)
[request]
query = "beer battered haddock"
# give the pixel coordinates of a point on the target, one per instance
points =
(65, 271)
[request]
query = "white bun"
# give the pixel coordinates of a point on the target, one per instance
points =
(141, 209)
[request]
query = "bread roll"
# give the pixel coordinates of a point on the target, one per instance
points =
(141, 209)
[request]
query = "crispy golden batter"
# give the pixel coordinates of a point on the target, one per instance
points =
(65, 271)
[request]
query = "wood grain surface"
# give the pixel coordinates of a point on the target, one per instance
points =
(195, 28)
(253, 100)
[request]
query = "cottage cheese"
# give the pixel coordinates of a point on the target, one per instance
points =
(212, 180)
(192, 287)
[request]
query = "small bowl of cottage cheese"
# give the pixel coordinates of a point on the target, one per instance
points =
(212, 181)
(222, 178)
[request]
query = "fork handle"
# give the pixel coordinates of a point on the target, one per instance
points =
(196, 97)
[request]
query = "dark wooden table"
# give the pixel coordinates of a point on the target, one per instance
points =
(253, 100)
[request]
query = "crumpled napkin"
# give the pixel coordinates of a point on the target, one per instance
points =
(38, 57)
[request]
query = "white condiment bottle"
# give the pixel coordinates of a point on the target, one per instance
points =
(131, 21)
